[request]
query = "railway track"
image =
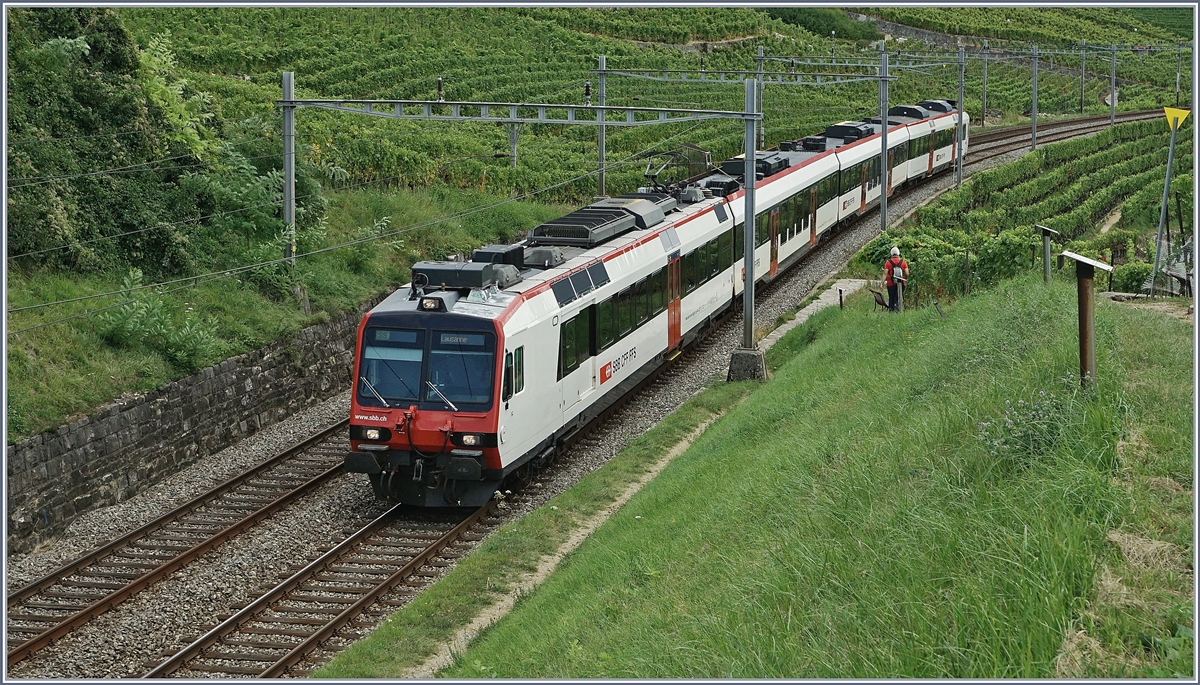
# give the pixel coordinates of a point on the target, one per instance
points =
(392, 555)
(261, 640)
(74, 594)
(985, 146)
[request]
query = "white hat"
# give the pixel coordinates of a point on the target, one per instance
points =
(895, 252)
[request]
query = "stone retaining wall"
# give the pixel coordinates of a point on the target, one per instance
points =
(115, 453)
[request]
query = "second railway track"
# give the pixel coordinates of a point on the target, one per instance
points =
(279, 630)
(87, 587)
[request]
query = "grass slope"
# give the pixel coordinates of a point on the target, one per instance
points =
(57, 371)
(908, 495)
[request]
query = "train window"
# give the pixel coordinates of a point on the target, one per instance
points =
(761, 230)
(901, 152)
(624, 311)
(506, 391)
(583, 338)
(581, 281)
(392, 361)
(599, 274)
(719, 210)
(663, 286)
(689, 272)
(643, 301)
(563, 291)
(802, 209)
(725, 250)
(703, 256)
(658, 293)
(739, 242)
(519, 369)
(605, 326)
(461, 367)
(714, 258)
(918, 147)
(787, 218)
(568, 359)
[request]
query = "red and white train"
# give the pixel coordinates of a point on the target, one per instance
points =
(480, 368)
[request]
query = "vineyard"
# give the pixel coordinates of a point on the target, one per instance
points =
(984, 232)
(1177, 20)
(543, 55)
(1062, 26)
(145, 148)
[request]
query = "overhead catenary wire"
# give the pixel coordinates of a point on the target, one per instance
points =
(195, 280)
(27, 141)
(215, 215)
(132, 169)
(193, 220)
(244, 141)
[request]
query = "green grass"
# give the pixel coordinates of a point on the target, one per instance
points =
(410, 635)
(67, 369)
(871, 511)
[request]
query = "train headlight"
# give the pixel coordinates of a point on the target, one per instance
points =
(432, 304)
(471, 440)
(370, 433)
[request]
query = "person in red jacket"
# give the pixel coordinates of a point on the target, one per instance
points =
(895, 271)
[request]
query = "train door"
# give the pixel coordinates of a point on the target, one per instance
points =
(576, 361)
(862, 201)
(674, 294)
(774, 224)
(812, 217)
(932, 147)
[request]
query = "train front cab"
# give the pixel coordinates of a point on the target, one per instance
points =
(424, 407)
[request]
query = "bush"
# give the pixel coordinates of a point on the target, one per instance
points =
(147, 322)
(820, 21)
(1129, 278)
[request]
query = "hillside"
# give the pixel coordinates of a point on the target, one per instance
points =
(144, 149)
(1053, 26)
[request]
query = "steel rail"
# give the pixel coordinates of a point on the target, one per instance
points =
(1018, 142)
(105, 602)
(1007, 131)
(281, 592)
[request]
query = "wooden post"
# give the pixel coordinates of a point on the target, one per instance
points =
(1085, 272)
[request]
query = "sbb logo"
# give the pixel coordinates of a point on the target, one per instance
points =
(613, 367)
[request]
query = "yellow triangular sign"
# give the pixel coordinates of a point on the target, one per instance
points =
(1175, 117)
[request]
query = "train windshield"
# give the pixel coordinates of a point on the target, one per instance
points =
(461, 365)
(391, 365)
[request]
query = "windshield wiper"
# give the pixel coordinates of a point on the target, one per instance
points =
(374, 391)
(439, 394)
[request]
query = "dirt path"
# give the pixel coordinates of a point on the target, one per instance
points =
(1110, 221)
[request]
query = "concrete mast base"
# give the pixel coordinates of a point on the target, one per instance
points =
(746, 365)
